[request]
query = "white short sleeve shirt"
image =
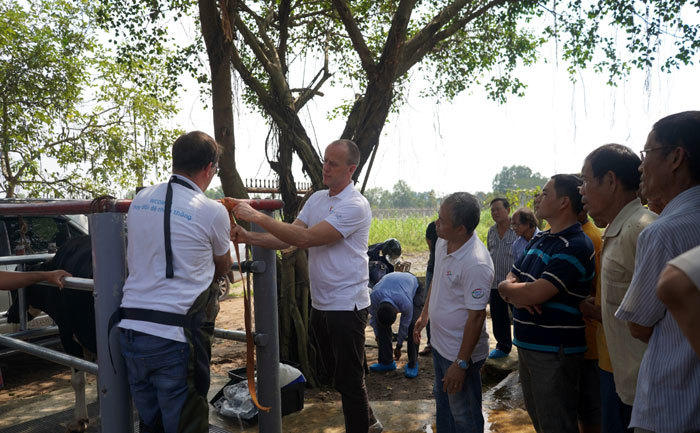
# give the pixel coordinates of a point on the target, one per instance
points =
(689, 263)
(200, 229)
(461, 282)
(339, 271)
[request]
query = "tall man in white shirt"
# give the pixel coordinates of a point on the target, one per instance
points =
(456, 308)
(334, 226)
(178, 244)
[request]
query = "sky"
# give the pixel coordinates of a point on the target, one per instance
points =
(462, 144)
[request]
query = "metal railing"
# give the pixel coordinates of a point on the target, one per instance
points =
(109, 264)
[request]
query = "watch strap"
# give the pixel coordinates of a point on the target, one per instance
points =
(462, 363)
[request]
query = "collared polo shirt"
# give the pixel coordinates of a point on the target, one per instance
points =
(199, 229)
(501, 253)
(667, 398)
(398, 289)
(565, 259)
(338, 271)
(617, 267)
(461, 282)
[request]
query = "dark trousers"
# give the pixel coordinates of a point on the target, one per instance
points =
(340, 336)
(550, 383)
(616, 415)
(500, 318)
(384, 344)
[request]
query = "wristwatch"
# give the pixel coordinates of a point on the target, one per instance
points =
(462, 363)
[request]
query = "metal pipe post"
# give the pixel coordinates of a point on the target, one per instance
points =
(265, 298)
(109, 270)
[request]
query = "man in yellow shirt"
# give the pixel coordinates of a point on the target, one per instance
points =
(589, 414)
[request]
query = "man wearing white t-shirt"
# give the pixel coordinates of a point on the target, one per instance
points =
(178, 244)
(456, 308)
(334, 226)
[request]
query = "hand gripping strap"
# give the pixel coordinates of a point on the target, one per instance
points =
(229, 204)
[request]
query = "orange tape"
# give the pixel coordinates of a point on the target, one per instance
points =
(250, 343)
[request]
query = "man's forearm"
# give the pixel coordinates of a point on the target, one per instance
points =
(533, 293)
(10, 280)
(266, 240)
(285, 234)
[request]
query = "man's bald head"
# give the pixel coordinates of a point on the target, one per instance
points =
(351, 149)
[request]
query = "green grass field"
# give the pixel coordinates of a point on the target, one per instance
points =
(410, 230)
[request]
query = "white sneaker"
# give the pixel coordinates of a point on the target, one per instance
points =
(377, 427)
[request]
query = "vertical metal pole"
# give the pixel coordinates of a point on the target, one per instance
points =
(21, 296)
(265, 299)
(109, 271)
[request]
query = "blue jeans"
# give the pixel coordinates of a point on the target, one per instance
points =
(157, 371)
(459, 412)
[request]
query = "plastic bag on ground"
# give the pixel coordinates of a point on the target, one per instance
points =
(237, 402)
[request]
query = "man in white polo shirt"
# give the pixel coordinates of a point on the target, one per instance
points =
(178, 244)
(456, 308)
(334, 226)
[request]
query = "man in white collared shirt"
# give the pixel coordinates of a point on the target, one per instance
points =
(178, 244)
(456, 308)
(334, 226)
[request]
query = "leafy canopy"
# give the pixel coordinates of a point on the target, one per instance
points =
(517, 177)
(73, 120)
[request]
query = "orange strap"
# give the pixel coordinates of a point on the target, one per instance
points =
(250, 343)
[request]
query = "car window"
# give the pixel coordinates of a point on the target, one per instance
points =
(36, 233)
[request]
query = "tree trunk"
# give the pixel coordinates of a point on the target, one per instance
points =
(367, 119)
(218, 41)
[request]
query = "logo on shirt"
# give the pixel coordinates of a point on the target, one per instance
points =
(478, 293)
(449, 273)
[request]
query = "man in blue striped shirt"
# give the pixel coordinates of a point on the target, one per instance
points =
(546, 286)
(500, 241)
(668, 385)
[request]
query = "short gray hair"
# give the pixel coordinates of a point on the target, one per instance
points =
(466, 210)
(352, 150)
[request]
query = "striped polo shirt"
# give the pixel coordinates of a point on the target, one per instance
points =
(567, 260)
(668, 385)
(501, 253)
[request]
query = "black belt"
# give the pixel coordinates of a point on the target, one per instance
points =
(190, 321)
(166, 223)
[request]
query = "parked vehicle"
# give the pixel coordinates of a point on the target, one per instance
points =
(21, 235)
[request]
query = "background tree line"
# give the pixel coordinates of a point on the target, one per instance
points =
(518, 183)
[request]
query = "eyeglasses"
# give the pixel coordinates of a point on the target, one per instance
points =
(643, 153)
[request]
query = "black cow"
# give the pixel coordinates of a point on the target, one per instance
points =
(72, 310)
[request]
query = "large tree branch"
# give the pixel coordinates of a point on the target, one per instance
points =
(209, 19)
(313, 90)
(263, 23)
(358, 41)
(424, 41)
(284, 12)
(247, 76)
(269, 61)
(395, 38)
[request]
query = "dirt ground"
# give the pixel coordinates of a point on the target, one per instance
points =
(26, 376)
